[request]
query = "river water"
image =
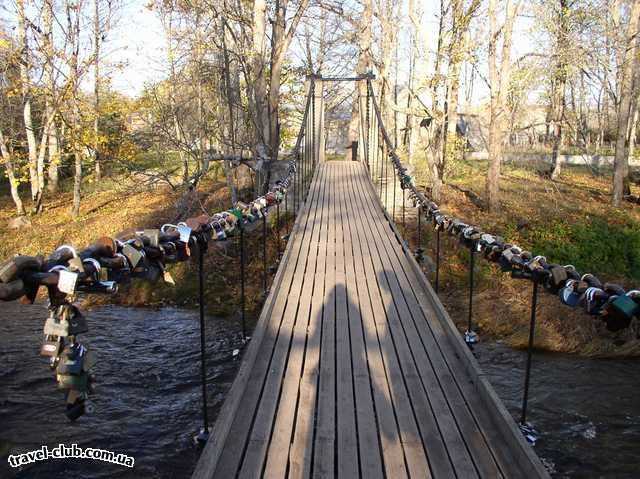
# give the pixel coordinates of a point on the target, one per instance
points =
(148, 401)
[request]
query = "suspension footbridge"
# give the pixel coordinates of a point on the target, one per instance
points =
(355, 369)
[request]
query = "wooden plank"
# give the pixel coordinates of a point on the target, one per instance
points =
(392, 449)
(347, 440)
(369, 447)
(301, 451)
(385, 314)
(488, 449)
(288, 353)
(470, 431)
(234, 447)
(324, 447)
(278, 452)
(210, 456)
(416, 360)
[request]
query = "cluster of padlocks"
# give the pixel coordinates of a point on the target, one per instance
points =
(633, 199)
(608, 301)
(100, 268)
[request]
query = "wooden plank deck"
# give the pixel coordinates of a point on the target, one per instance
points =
(355, 369)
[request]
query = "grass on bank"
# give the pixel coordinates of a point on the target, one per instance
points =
(570, 221)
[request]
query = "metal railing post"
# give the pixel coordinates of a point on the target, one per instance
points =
(404, 225)
(527, 429)
(203, 435)
(419, 251)
(394, 192)
(367, 151)
(437, 260)
(242, 285)
(264, 254)
(278, 227)
(470, 337)
(527, 373)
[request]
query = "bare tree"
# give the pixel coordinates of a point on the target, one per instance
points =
(499, 75)
(559, 79)
(7, 162)
(50, 87)
(281, 36)
(26, 98)
(629, 72)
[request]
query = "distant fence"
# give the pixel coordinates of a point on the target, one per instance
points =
(591, 160)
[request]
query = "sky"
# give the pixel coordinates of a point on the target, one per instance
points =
(134, 53)
(137, 43)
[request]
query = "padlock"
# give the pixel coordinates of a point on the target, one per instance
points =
(71, 360)
(593, 300)
(132, 254)
(13, 268)
(152, 236)
(51, 346)
(56, 325)
(92, 269)
(75, 264)
(591, 280)
(572, 273)
(539, 273)
(613, 289)
(170, 252)
(557, 278)
(62, 254)
(506, 258)
(76, 320)
(8, 270)
(76, 409)
(219, 230)
(104, 246)
(619, 312)
(185, 232)
(626, 306)
(77, 382)
(12, 290)
(568, 294)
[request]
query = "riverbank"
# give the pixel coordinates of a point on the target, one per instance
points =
(570, 221)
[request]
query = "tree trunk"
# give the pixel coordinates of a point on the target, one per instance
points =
(26, 99)
(259, 93)
(434, 151)
(13, 182)
(74, 41)
(54, 159)
(559, 86)
(499, 77)
(280, 40)
(628, 73)
(633, 134)
(229, 93)
(53, 148)
(96, 88)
